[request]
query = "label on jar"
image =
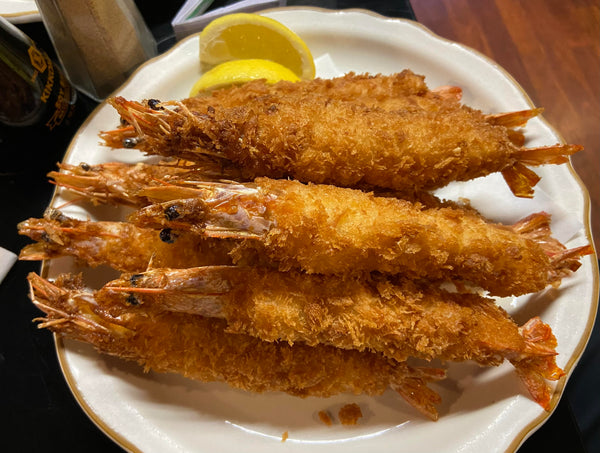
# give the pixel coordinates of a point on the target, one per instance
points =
(38, 62)
(56, 94)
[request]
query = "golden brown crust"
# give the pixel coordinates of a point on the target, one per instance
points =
(398, 318)
(397, 91)
(200, 348)
(326, 229)
(402, 150)
(385, 131)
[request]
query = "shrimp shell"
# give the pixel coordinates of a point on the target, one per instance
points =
(119, 183)
(121, 245)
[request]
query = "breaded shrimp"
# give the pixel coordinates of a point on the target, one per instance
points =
(199, 348)
(404, 90)
(322, 139)
(124, 184)
(401, 91)
(119, 183)
(331, 230)
(121, 245)
(398, 318)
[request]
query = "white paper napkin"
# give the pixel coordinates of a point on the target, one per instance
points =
(7, 260)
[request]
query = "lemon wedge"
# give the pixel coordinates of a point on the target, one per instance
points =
(244, 36)
(237, 72)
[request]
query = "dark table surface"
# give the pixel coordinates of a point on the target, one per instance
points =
(37, 409)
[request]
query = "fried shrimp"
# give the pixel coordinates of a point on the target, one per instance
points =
(201, 349)
(290, 240)
(401, 91)
(398, 318)
(331, 230)
(313, 137)
(119, 183)
(121, 245)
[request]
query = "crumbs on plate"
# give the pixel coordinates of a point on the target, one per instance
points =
(325, 418)
(347, 415)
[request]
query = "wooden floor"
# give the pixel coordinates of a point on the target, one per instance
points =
(552, 49)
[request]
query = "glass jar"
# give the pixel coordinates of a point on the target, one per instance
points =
(98, 42)
(33, 89)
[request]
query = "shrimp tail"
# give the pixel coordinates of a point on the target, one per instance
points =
(567, 262)
(415, 391)
(521, 179)
(513, 119)
(540, 366)
(563, 261)
(535, 226)
(543, 155)
(517, 137)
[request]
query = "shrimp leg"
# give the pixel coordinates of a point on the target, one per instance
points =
(200, 348)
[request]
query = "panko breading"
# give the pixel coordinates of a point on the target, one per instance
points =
(331, 230)
(400, 319)
(401, 91)
(312, 137)
(199, 348)
(322, 282)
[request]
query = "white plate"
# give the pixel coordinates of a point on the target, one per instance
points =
(19, 11)
(483, 409)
